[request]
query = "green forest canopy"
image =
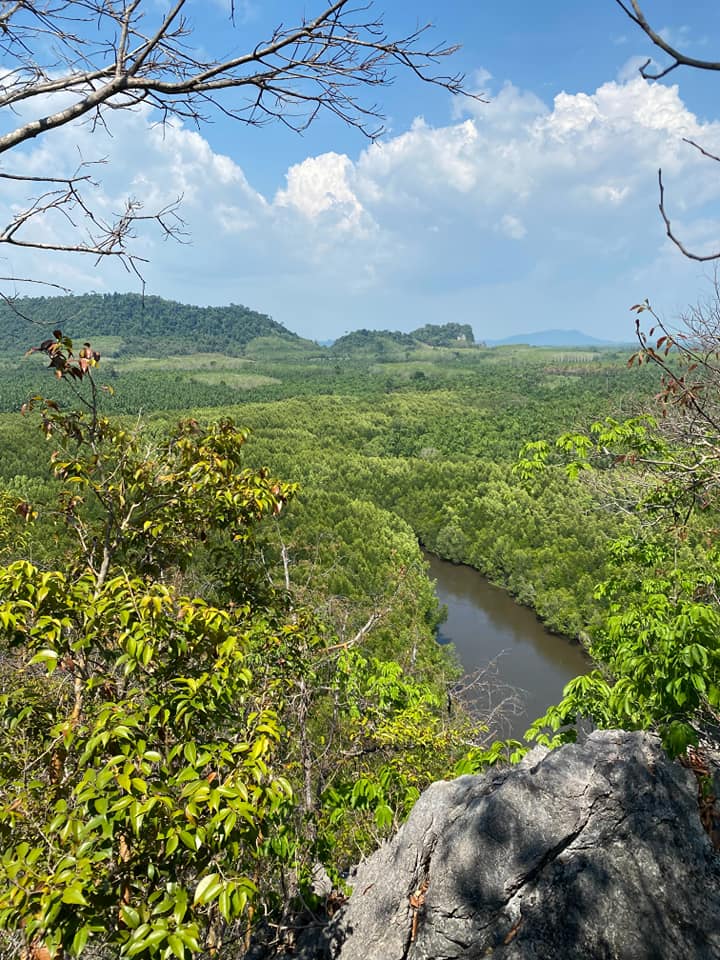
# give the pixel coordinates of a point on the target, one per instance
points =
(142, 325)
(317, 602)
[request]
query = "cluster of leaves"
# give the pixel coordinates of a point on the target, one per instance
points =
(658, 655)
(151, 499)
(172, 762)
(137, 816)
(62, 356)
(136, 811)
(657, 644)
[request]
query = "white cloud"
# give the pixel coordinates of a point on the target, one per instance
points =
(609, 193)
(512, 227)
(425, 224)
(319, 185)
(677, 36)
(421, 159)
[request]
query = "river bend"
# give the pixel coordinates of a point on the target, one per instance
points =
(485, 623)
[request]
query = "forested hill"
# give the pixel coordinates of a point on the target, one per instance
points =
(444, 335)
(390, 342)
(128, 324)
(137, 325)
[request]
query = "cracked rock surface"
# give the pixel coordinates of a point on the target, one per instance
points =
(593, 850)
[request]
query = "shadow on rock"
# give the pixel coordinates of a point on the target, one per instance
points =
(591, 851)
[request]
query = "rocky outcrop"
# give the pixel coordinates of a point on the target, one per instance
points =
(591, 851)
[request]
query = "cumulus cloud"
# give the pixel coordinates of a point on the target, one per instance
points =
(424, 225)
(321, 184)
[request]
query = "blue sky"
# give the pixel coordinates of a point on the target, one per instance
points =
(535, 210)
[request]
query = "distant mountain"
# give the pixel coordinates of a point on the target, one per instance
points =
(553, 338)
(127, 324)
(139, 325)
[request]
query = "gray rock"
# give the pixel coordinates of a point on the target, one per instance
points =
(591, 851)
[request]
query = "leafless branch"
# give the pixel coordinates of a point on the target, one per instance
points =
(67, 61)
(702, 150)
(286, 564)
(66, 198)
(700, 257)
(325, 62)
(375, 617)
(483, 695)
(679, 59)
(633, 10)
(11, 300)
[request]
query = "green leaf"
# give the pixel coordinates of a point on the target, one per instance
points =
(48, 657)
(191, 841)
(177, 946)
(207, 889)
(156, 937)
(74, 895)
(80, 940)
(181, 899)
(130, 916)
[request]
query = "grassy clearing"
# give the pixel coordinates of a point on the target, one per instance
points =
(190, 362)
(239, 381)
(278, 348)
(107, 346)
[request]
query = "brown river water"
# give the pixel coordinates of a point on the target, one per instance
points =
(484, 623)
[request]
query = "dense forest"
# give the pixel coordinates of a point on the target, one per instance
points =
(222, 681)
(221, 643)
(132, 324)
(384, 342)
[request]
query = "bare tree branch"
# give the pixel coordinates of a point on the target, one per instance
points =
(328, 60)
(68, 61)
(703, 151)
(99, 237)
(702, 258)
(679, 59)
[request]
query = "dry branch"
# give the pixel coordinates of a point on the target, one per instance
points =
(679, 59)
(70, 61)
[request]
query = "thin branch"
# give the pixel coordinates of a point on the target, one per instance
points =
(361, 633)
(680, 59)
(85, 57)
(103, 238)
(701, 258)
(702, 150)
(334, 52)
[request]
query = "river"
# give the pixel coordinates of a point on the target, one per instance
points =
(485, 623)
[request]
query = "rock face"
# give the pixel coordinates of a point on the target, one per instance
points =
(591, 851)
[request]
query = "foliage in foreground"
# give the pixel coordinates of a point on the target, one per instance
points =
(658, 647)
(658, 653)
(174, 766)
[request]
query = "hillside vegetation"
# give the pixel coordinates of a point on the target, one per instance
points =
(393, 345)
(219, 672)
(127, 324)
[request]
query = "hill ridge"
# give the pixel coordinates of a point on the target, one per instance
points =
(140, 322)
(552, 338)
